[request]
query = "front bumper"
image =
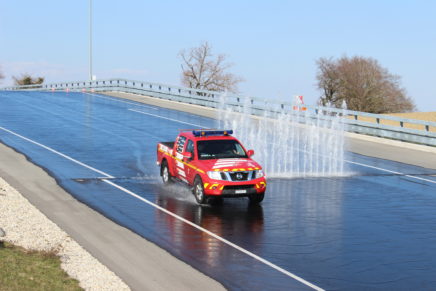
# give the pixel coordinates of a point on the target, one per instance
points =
(232, 189)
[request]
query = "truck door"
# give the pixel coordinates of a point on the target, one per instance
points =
(190, 172)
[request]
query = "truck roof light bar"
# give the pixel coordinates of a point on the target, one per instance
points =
(206, 132)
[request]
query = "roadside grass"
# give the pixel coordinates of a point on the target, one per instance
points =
(427, 116)
(31, 270)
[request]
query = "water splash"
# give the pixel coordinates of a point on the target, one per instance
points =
(296, 142)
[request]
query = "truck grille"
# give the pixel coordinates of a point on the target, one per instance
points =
(239, 176)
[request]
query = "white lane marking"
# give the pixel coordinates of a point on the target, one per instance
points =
(58, 153)
(380, 169)
(289, 274)
(390, 171)
(121, 101)
(175, 120)
(268, 263)
(190, 223)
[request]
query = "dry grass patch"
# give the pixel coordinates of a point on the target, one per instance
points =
(31, 270)
(425, 116)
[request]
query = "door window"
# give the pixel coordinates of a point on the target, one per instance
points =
(190, 147)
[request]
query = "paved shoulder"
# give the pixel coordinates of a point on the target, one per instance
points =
(417, 155)
(141, 264)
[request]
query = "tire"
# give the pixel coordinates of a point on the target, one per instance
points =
(256, 198)
(165, 173)
(198, 191)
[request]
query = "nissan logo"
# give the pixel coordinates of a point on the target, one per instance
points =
(239, 176)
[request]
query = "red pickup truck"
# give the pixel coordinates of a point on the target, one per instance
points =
(213, 163)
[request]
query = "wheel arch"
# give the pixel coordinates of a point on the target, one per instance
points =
(197, 176)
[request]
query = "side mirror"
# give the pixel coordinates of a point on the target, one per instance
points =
(187, 155)
(250, 153)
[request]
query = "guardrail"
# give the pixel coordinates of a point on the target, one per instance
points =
(392, 127)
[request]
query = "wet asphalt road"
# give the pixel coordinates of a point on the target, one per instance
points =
(372, 230)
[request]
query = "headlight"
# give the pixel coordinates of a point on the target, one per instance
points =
(259, 174)
(214, 175)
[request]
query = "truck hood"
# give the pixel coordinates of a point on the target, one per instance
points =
(230, 165)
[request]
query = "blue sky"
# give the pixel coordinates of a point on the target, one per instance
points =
(273, 44)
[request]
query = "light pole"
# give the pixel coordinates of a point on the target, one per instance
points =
(90, 40)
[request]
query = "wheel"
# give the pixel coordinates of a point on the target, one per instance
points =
(256, 198)
(165, 173)
(199, 191)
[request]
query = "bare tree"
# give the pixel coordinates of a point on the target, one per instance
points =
(363, 84)
(328, 81)
(202, 70)
(27, 79)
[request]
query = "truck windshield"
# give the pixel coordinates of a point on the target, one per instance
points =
(220, 149)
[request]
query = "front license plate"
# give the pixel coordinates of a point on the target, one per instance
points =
(240, 191)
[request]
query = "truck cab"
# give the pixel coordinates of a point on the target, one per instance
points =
(213, 163)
